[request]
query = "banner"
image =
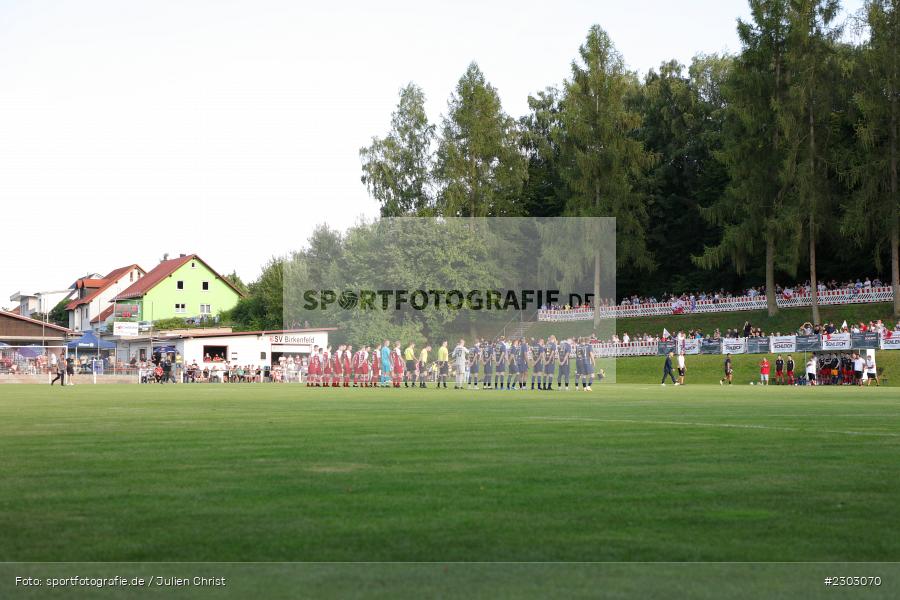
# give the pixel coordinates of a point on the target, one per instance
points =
(836, 341)
(782, 343)
(711, 346)
(691, 346)
(734, 346)
(891, 343)
(758, 345)
(665, 347)
(864, 340)
(126, 329)
(807, 343)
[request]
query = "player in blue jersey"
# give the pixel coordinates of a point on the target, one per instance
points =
(550, 356)
(500, 357)
(587, 373)
(487, 362)
(537, 369)
(511, 365)
(565, 352)
(522, 362)
(474, 364)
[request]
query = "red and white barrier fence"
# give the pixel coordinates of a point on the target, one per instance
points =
(795, 300)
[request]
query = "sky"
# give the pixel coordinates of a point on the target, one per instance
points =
(230, 129)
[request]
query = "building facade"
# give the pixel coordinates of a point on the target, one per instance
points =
(91, 308)
(184, 287)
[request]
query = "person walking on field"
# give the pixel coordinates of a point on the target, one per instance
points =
(729, 371)
(60, 372)
(681, 368)
(667, 370)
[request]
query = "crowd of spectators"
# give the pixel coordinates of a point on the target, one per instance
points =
(721, 295)
(749, 330)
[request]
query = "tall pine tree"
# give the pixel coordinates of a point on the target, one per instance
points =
(479, 165)
(602, 160)
(872, 214)
(751, 211)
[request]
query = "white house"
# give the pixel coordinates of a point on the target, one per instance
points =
(38, 302)
(91, 306)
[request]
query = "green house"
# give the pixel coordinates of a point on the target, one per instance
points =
(184, 287)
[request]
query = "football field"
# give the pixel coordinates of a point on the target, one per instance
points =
(260, 473)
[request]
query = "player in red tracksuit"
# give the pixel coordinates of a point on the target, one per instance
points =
(315, 365)
(325, 378)
(336, 367)
(376, 369)
(397, 364)
(346, 365)
(362, 368)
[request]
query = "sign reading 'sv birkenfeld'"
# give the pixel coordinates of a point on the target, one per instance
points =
(295, 338)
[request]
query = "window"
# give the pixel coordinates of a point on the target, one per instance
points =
(180, 308)
(193, 265)
(205, 286)
(205, 309)
(215, 353)
(179, 285)
(131, 276)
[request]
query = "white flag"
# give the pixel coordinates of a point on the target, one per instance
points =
(844, 324)
(666, 333)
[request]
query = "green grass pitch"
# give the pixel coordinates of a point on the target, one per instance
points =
(285, 473)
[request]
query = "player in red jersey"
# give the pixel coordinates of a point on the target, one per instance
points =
(314, 367)
(376, 368)
(364, 366)
(325, 375)
(336, 367)
(347, 365)
(397, 364)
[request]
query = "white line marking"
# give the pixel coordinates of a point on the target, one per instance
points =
(722, 425)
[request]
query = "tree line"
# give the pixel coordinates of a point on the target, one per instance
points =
(773, 165)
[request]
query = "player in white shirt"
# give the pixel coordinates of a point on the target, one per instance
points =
(871, 370)
(681, 367)
(461, 362)
(859, 366)
(811, 369)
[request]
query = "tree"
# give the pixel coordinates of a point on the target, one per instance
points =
(750, 212)
(58, 314)
(682, 114)
(872, 216)
(602, 160)
(806, 116)
(263, 307)
(479, 164)
(397, 168)
(544, 193)
(236, 281)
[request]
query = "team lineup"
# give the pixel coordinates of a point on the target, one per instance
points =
(499, 364)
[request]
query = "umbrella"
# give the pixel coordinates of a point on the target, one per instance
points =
(89, 341)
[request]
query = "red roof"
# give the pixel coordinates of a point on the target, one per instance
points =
(104, 315)
(35, 321)
(100, 284)
(163, 270)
